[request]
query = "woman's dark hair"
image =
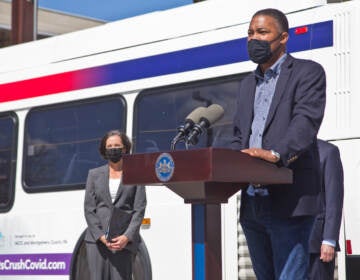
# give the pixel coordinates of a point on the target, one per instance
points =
(125, 140)
(279, 16)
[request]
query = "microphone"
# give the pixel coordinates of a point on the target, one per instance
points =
(211, 115)
(190, 121)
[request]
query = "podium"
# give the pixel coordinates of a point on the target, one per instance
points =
(205, 178)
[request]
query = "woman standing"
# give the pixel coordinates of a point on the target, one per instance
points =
(105, 191)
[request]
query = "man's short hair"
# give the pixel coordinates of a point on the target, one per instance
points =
(279, 16)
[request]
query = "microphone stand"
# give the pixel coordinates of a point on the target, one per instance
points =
(174, 142)
(181, 136)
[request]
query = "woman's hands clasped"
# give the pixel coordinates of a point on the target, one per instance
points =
(117, 244)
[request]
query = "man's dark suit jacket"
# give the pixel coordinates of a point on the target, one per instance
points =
(294, 118)
(98, 206)
(327, 223)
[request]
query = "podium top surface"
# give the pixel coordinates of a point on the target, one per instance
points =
(201, 165)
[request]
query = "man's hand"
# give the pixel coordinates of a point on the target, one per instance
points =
(261, 153)
(327, 253)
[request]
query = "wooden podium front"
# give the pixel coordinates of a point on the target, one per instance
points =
(205, 178)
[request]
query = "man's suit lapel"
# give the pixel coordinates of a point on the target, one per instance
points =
(248, 97)
(285, 73)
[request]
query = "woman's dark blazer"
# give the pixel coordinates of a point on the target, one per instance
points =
(98, 206)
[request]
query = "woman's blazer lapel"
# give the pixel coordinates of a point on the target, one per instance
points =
(103, 183)
(119, 192)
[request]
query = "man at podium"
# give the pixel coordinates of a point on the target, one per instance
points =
(279, 111)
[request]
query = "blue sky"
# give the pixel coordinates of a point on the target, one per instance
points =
(109, 10)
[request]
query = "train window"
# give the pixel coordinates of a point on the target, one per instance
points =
(8, 147)
(158, 112)
(61, 142)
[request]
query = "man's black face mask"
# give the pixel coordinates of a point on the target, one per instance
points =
(113, 154)
(260, 50)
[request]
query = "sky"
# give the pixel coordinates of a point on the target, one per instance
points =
(110, 10)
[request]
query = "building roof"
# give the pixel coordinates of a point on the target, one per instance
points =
(50, 23)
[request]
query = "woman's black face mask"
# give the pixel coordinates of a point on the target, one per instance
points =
(113, 154)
